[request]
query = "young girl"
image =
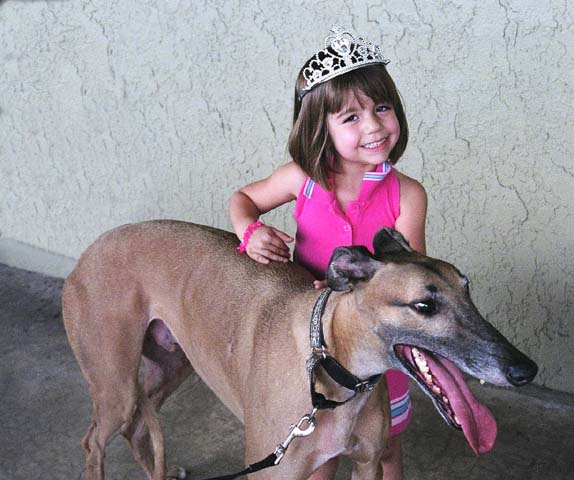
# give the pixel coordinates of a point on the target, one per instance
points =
(349, 130)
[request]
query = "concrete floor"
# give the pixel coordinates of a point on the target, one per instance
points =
(45, 410)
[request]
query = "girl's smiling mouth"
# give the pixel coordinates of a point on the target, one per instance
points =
(375, 146)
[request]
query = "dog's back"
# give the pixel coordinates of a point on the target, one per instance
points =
(190, 277)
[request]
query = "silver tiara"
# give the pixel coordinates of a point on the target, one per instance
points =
(342, 53)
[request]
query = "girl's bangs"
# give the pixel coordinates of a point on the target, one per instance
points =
(372, 81)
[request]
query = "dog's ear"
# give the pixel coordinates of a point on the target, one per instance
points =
(388, 241)
(349, 266)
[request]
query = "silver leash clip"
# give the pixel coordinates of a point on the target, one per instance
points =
(297, 430)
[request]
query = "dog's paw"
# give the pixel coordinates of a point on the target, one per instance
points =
(176, 473)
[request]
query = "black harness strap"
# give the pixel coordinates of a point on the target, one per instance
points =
(344, 378)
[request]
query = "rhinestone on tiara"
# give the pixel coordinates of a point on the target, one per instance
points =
(342, 53)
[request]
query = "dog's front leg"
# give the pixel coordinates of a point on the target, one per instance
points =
(304, 455)
(297, 464)
(370, 435)
(367, 471)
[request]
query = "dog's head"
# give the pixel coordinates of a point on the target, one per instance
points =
(418, 312)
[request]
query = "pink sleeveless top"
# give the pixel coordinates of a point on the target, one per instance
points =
(322, 226)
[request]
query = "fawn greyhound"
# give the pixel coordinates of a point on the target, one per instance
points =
(164, 295)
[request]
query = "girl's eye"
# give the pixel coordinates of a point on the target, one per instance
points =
(350, 118)
(383, 108)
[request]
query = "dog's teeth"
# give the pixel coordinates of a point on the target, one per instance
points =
(436, 389)
(482, 382)
(456, 420)
(415, 352)
(422, 364)
(428, 377)
(445, 399)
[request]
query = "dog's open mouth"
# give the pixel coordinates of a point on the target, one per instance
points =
(441, 380)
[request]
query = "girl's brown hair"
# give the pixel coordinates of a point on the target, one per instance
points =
(309, 143)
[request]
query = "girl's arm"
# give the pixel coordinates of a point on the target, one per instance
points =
(412, 218)
(250, 202)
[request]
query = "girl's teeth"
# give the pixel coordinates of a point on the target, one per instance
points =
(373, 145)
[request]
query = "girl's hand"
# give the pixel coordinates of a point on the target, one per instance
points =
(267, 243)
(319, 284)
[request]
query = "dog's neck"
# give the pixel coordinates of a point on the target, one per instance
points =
(346, 338)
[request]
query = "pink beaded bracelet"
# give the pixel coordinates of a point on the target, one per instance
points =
(247, 235)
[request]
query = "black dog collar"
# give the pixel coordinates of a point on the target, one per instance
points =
(320, 357)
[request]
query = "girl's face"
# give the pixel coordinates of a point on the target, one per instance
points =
(363, 131)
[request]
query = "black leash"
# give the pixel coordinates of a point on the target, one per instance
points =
(267, 462)
(273, 459)
(334, 369)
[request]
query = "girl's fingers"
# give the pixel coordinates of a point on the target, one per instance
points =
(276, 250)
(266, 258)
(266, 253)
(258, 257)
(278, 258)
(276, 245)
(283, 236)
(267, 243)
(279, 248)
(268, 235)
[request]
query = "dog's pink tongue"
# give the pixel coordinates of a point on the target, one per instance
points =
(478, 424)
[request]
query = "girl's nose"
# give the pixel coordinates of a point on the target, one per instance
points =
(372, 123)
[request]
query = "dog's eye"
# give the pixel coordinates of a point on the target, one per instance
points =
(426, 307)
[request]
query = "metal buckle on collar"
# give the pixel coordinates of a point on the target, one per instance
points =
(317, 354)
(320, 352)
(365, 386)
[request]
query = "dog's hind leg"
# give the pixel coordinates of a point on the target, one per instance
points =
(107, 339)
(120, 403)
(115, 394)
(165, 367)
(146, 439)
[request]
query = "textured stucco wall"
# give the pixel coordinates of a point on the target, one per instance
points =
(112, 112)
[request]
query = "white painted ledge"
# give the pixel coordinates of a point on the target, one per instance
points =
(21, 255)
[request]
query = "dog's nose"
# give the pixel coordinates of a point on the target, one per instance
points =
(522, 373)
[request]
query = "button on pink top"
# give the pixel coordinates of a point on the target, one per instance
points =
(322, 226)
